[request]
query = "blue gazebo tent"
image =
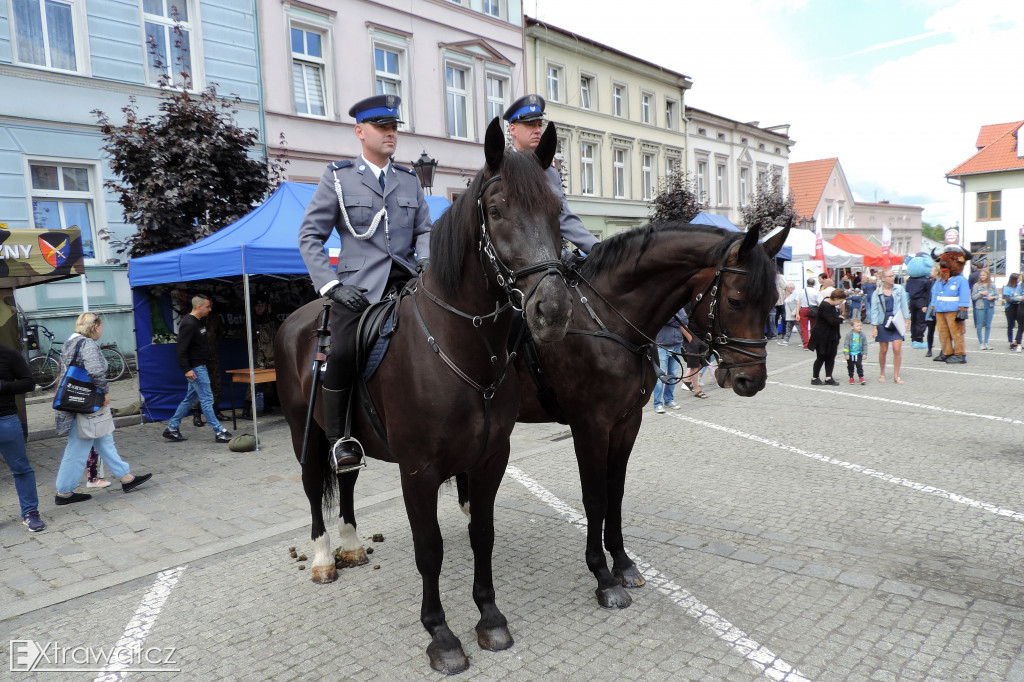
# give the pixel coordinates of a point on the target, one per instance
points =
(263, 242)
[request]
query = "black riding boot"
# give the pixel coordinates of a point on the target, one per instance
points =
(344, 455)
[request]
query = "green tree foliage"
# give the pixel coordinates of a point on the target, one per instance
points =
(936, 232)
(767, 208)
(677, 200)
(185, 172)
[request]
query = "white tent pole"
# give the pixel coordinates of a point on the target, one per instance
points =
(85, 292)
(248, 341)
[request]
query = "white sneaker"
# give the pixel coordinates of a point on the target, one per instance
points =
(99, 483)
(1019, 349)
(659, 409)
(782, 343)
(674, 405)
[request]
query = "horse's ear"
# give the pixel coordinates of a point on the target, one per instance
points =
(749, 242)
(494, 145)
(548, 146)
(774, 244)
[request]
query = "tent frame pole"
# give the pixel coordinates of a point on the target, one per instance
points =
(248, 341)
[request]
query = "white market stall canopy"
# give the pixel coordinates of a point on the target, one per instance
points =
(802, 242)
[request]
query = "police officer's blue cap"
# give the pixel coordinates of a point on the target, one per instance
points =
(377, 109)
(526, 108)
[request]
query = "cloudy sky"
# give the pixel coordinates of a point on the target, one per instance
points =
(897, 89)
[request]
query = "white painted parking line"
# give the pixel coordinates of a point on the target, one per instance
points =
(965, 374)
(138, 627)
(860, 469)
(770, 665)
(904, 403)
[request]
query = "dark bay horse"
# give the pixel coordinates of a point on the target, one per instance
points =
(439, 391)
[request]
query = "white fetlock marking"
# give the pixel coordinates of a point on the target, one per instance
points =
(465, 509)
(322, 553)
(349, 540)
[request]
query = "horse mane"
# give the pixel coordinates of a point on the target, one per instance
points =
(619, 248)
(523, 186)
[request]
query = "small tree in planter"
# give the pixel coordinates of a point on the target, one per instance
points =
(677, 200)
(767, 208)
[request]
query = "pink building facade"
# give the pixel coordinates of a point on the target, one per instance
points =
(455, 65)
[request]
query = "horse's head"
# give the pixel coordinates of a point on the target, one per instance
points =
(520, 231)
(733, 309)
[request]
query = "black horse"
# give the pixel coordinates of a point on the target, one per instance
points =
(439, 391)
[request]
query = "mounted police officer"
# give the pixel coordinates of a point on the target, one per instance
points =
(380, 213)
(525, 122)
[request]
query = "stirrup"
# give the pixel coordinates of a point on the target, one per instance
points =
(344, 469)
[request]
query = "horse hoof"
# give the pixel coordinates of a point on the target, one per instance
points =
(448, 661)
(494, 639)
(630, 577)
(324, 574)
(355, 557)
(613, 597)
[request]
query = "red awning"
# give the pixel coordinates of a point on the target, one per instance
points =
(853, 243)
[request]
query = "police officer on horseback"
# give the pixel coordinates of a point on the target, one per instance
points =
(381, 215)
(525, 119)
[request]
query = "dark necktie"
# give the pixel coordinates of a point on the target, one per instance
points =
(381, 178)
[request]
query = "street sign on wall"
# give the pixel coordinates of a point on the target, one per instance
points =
(952, 236)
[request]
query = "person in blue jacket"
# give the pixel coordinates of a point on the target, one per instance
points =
(952, 301)
(670, 340)
(889, 311)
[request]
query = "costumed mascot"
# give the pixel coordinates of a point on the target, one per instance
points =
(951, 297)
(919, 294)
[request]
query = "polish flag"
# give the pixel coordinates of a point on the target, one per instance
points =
(886, 241)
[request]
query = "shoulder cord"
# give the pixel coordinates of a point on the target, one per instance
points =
(382, 213)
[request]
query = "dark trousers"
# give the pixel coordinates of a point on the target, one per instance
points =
(1020, 323)
(826, 359)
(917, 325)
(930, 324)
(341, 361)
(855, 362)
(1011, 320)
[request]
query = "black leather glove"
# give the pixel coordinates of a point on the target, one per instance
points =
(351, 297)
(572, 260)
(421, 265)
(961, 315)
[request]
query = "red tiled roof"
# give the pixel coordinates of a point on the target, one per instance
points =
(807, 180)
(997, 151)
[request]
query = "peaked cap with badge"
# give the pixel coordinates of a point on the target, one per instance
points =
(377, 109)
(526, 108)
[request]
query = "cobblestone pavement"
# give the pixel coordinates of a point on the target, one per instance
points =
(812, 532)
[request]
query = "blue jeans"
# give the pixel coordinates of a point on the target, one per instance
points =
(198, 389)
(12, 447)
(672, 367)
(72, 464)
(983, 322)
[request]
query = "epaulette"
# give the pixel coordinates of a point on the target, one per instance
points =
(338, 165)
(410, 171)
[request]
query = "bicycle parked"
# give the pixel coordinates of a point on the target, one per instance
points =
(46, 367)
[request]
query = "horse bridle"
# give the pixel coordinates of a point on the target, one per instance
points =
(720, 338)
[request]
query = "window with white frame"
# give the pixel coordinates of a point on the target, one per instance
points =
(670, 114)
(702, 180)
(308, 68)
(619, 173)
(744, 185)
(45, 33)
(497, 95)
(620, 107)
(64, 195)
(389, 69)
(720, 185)
(645, 107)
(456, 81)
(586, 91)
(169, 38)
(647, 175)
(554, 83)
(673, 164)
(839, 216)
(828, 216)
(587, 161)
(492, 8)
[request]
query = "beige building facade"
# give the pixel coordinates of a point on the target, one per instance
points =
(455, 65)
(620, 121)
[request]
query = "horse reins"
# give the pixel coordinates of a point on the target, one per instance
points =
(722, 339)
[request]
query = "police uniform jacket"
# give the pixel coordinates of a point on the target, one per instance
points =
(951, 295)
(571, 226)
(365, 263)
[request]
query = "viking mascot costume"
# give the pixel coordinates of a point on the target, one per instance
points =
(951, 297)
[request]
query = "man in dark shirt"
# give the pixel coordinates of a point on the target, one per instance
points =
(193, 354)
(16, 378)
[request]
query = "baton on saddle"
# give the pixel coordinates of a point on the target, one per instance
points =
(323, 335)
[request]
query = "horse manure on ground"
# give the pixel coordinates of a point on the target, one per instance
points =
(302, 557)
(302, 567)
(291, 549)
(378, 537)
(376, 566)
(369, 550)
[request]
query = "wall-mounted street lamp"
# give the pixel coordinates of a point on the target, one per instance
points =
(425, 168)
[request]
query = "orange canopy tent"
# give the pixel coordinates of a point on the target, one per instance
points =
(854, 243)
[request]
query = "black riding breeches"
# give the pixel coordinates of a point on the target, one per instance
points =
(341, 363)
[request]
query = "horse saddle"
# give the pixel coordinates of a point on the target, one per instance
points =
(373, 334)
